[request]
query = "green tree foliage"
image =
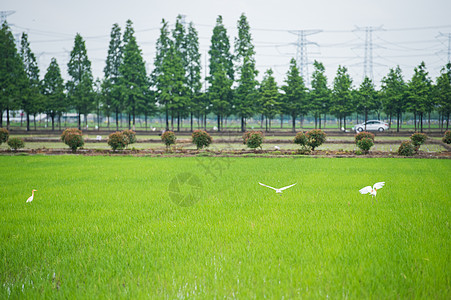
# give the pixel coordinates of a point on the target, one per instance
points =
(12, 75)
(53, 91)
(442, 92)
(221, 73)
(363, 134)
(193, 75)
(253, 139)
(111, 88)
(168, 138)
(201, 139)
(269, 97)
(246, 93)
(30, 91)
(80, 86)
(320, 94)
(168, 76)
(294, 100)
(365, 144)
(73, 138)
(16, 143)
(393, 91)
(367, 97)
(418, 139)
(133, 81)
(117, 140)
(181, 102)
(4, 135)
(342, 104)
(446, 138)
(406, 149)
(419, 94)
(315, 138)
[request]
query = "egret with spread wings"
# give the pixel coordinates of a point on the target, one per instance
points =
(372, 190)
(278, 191)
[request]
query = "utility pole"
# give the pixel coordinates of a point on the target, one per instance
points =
(448, 35)
(4, 14)
(301, 51)
(368, 56)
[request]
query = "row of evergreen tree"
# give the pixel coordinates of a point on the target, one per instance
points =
(174, 87)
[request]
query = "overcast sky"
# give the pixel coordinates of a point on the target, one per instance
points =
(406, 32)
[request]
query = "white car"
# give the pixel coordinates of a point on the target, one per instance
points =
(371, 125)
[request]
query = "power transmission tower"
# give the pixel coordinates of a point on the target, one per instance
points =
(301, 51)
(5, 13)
(368, 56)
(449, 44)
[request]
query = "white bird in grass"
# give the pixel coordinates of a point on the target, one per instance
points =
(372, 190)
(32, 196)
(278, 191)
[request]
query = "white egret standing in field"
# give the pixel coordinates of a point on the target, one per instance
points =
(372, 190)
(278, 191)
(32, 196)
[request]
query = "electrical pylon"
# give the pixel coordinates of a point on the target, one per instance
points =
(301, 52)
(368, 56)
(5, 13)
(448, 35)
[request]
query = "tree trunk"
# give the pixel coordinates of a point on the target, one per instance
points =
(53, 122)
(281, 121)
(28, 122)
(293, 123)
(167, 118)
(219, 122)
(79, 121)
(319, 120)
(117, 120)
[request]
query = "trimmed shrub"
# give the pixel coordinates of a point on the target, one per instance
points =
(73, 138)
(16, 143)
(201, 139)
(168, 138)
(365, 144)
(130, 136)
(316, 138)
(364, 134)
(4, 135)
(117, 140)
(418, 139)
(253, 139)
(301, 139)
(446, 138)
(406, 149)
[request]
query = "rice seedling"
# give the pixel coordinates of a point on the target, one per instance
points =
(109, 227)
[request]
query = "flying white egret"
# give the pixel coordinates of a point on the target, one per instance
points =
(32, 196)
(372, 190)
(278, 191)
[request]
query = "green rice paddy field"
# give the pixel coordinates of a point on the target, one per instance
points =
(202, 227)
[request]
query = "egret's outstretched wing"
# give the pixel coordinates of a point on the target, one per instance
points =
(268, 186)
(365, 190)
(286, 187)
(378, 185)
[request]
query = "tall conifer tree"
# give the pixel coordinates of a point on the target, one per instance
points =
(80, 86)
(134, 81)
(111, 89)
(245, 58)
(53, 90)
